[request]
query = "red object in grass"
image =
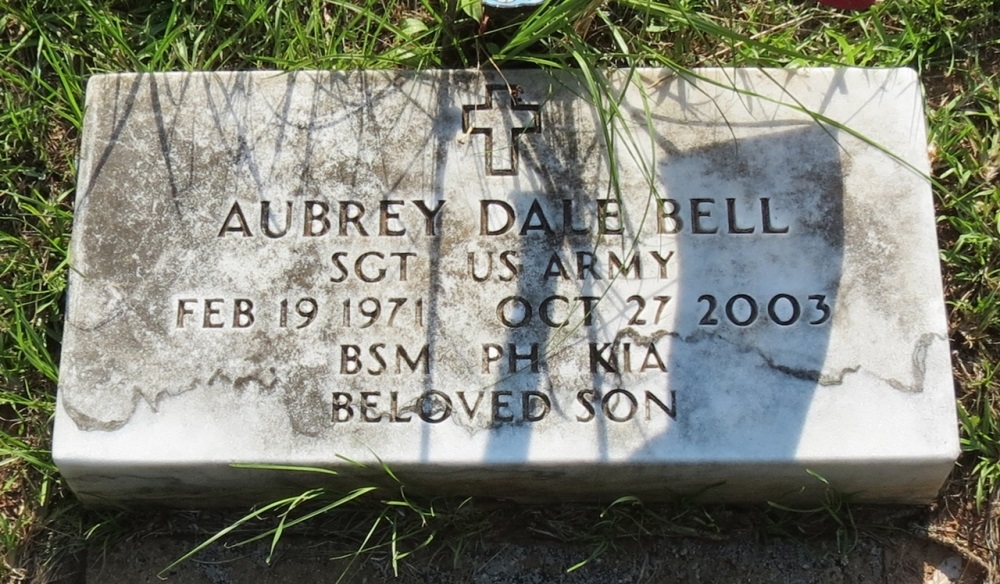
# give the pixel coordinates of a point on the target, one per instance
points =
(849, 4)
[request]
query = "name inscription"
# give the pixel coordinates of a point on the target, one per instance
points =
(313, 218)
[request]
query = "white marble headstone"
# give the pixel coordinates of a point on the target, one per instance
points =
(717, 284)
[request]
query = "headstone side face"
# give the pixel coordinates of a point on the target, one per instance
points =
(495, 288)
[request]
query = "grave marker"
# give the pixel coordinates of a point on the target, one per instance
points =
(455, 273)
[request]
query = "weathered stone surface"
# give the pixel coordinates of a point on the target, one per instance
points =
(504, 290)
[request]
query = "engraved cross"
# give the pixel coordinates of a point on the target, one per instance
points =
(502, 118)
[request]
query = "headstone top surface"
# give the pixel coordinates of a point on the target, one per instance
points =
(491, 284)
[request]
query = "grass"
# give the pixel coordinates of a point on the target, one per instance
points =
(48, 49)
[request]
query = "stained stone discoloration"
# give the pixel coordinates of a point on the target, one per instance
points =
(303, 268)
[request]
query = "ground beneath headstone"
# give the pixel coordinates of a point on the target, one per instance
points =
(896, 560)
